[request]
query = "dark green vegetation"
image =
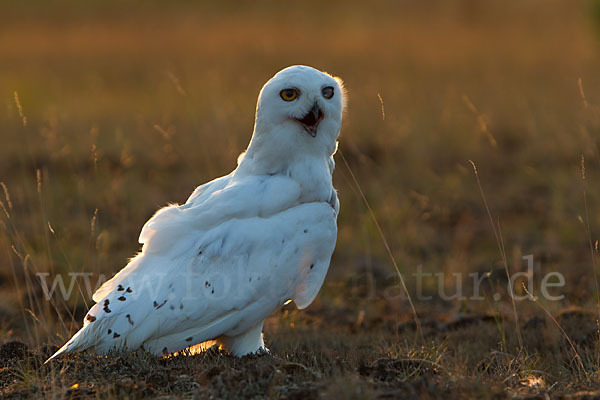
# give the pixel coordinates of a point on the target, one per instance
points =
(125, 106)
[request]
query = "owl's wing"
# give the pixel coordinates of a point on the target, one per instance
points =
(203, 191)
(172, 230)
(233, 275)
(241, 198)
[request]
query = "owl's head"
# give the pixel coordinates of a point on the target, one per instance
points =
(299, 110)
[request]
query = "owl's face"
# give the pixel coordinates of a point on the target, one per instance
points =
(301, 106)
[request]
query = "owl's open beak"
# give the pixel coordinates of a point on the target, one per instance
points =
(311, 120)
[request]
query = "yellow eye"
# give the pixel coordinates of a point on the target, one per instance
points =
(288, 94)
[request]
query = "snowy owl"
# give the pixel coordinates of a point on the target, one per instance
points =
(242, 245)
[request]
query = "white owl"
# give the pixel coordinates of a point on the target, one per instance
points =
(242, 245)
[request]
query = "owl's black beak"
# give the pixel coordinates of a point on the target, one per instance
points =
(311, 120)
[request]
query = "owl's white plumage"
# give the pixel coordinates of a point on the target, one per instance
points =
(242, 245)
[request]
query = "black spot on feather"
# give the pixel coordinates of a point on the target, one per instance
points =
(312, 266)
(120, 288)
(90, 318)
(106, 302)
(189, 339)
(106, 309)
(128, 316)
(129, 290)
(109, 331)
(157, 306)
(116, 335)
(122, 298)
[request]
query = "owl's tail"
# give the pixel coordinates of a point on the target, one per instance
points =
(79, 342)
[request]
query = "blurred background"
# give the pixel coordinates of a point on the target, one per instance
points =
(112, 109)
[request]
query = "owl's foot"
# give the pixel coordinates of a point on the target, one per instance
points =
(263, 351)
(248, 342)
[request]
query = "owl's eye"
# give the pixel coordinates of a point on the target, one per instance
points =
(327, 92)
(288, 94)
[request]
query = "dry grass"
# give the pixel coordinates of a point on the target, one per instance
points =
(112, 109)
